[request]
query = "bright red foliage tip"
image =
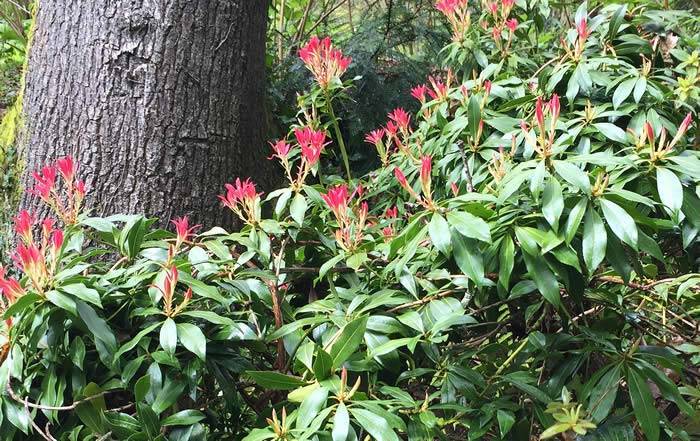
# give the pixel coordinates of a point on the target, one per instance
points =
(311, 142)
(449, 7)
(239, 191)
(324, 61)
(401, 118)
(391, 128)
(242, 198)
(23, 225)
(56, 241)
(280, 148)
(439, 89)
(337, 200)
(512, 24)
(183, 229)
(506, 7)
(418, 92)
(493, 8)
(45, 183)
(375, 136)
(686, 123)
(391, 213)
(649, 130)
(66, 167)
(426, 167)
(582, 29)
(401, 178)
(10, 288)
(554, 106)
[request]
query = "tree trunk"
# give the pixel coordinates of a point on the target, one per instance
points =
(160, 101)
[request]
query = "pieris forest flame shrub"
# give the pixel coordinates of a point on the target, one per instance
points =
(523, 265)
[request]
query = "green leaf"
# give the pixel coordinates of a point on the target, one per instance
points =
(574, 220)
(544, 278)
(474, 115)
(390, 346)
(183, 418)
(209, 316)
(131, 344)
(311, 406)
(670, 189)
(83, 292)
(643, 405)
(148, 419)
(620, 222)
(506, 262)
(275, 380)
(374, 424)
(341, 423)
(323, 365)
(168, 395)
(97, 325)
(329, 265)
(142, 387)
(298, 208)
(615, 21)
(439, 232)
(21, 304)
(639, 88)
(62, 301)
(468, 257)
(611, 131)
(595, 241)
(192, 339)
(168, 336)
(602, 397)
(506, 419)
(623, 91)
(348, 340)
(520, 380)
(573, 175)
(17, 415)
(260, 435)
(469, 225)
(91, 413)
(293, 326)
(552, 203)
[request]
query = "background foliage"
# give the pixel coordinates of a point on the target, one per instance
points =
(522, 263)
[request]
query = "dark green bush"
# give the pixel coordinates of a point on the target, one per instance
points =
(524, 263)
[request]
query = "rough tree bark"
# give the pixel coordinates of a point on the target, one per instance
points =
(160, 101)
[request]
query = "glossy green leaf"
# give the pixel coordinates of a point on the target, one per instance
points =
(311, 406)
(168, 336)
(439, 232)
(469, 225)
(620, 222)
(611, 131)
(341, 423)
(552, 203)
(544, 278)
(643, 404)
(348, 340)
(374, 424)
(468, 257)
(623, 91)
(192, 339)
(595, 241)
(275, 380)
(670, 189)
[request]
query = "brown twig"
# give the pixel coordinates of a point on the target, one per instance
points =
(27, 403)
